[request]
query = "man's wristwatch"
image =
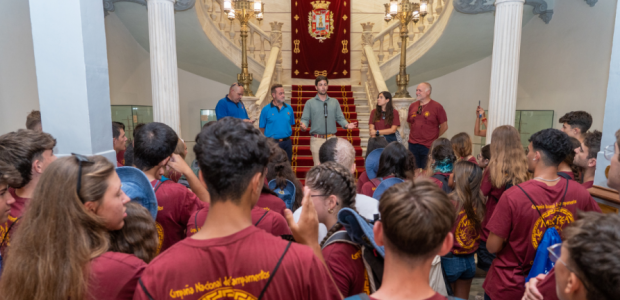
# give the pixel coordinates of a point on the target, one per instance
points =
(378, 133)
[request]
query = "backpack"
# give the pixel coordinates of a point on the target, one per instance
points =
(359, 233)
(542, 263)
(444, 180)
(384, 185)
(363, 296)
(287, 194)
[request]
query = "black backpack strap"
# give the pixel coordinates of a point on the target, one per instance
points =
(144, 289)
(158, 186)
(196, 220)
(273, 273)
(528, 196)
(261, 218)
(564, 175)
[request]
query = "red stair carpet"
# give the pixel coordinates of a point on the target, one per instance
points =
(302, 157)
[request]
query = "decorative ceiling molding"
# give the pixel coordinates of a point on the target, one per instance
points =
(591, 2)
(483, 6)
(108, 5)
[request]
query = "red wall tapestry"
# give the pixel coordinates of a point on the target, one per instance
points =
(321, 32)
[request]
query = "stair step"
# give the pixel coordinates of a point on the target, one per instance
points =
(299, 100)
(305, 151)
(340, 132)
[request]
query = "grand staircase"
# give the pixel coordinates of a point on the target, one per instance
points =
(354, 108)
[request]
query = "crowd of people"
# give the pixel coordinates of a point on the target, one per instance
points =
(238, 224)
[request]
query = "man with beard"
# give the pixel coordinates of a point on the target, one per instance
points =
(322, 112)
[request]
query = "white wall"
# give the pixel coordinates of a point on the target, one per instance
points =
(129, 70)
(564, 67)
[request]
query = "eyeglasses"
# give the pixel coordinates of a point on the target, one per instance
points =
(610, 151)
(555, 251)
(81, 159)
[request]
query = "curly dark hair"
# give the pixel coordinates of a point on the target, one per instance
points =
(593, 142)
(138, 236)
(579, 119)
(153, 143)
(229, 153)
(331, 178)
(19, 149)
(554, 144)
(396, 159)
(592, 243)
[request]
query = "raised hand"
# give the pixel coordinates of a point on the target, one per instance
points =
(306, 230)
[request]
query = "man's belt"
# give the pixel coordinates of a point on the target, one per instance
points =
(282, 140)
(321, 136)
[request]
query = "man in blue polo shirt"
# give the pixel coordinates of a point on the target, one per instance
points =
(231, 105)
(276, 120)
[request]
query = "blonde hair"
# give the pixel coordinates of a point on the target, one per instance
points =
(58, 236)
(461, 144)
(508, 162)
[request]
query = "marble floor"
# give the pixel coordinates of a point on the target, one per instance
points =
(476, 292)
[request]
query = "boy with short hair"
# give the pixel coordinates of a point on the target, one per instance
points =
(228, 256)
(576, 124)
(525, 211)
(119, 142)
(153, 147)
(28, 152)
(585, 156)
(409, 253)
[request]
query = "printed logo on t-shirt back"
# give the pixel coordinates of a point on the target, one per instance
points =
(466, 233)
(555, 216)
(222, 288)
(160, 234)
(356, 255)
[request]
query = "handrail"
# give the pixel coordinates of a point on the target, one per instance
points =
(373, 66)
(268, 77)
(386, 31)
(260, 32)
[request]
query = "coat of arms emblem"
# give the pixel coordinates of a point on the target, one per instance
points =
(320, 20)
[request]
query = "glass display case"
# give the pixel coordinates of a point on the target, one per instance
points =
(527, 123)
(206, 116)
(132, 115)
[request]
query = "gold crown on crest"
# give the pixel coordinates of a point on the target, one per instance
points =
(320, 4)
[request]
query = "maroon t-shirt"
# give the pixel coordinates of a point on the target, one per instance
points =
(437, 182)
(271, 202)
(517, 220)
(361, 181)
(120, 158)
(588, 184)
(346, 265)
(546, 287)
(473, 160)
(270, 221)
(493, 195)
(17, 210)
(424, 127)
(114, 275)
(437, 296)
(570, 174)
(237, 267)
(175, 204)
(380, 125)
(466, 236)
(369, 187)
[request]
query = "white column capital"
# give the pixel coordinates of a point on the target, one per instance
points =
(499, 2)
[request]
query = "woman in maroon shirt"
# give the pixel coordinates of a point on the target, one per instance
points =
(62, 249)
(332, 188)
(508, 166)
(461, 144)
(469, 201)
(384, 119)
(279, 168)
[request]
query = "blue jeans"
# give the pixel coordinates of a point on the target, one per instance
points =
(287, 146)
(458, 266)
(420, 152)
(391, 138)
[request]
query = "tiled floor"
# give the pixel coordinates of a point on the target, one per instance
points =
(476, 292)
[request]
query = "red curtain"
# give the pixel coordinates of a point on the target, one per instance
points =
(321, 43)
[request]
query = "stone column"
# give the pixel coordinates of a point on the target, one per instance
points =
(505, 65)
(72, 75)
(164, 74)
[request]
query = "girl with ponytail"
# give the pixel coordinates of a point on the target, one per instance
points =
(469, 203)
(332, 188)
(279, 168)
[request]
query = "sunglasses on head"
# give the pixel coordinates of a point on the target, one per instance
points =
(81, 159)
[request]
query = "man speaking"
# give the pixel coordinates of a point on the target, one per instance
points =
(322, 112)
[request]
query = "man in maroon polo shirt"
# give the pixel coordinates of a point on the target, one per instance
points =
(119, 142)
(153, 147)
(28, 152)
(427, 121)
(525, 211)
